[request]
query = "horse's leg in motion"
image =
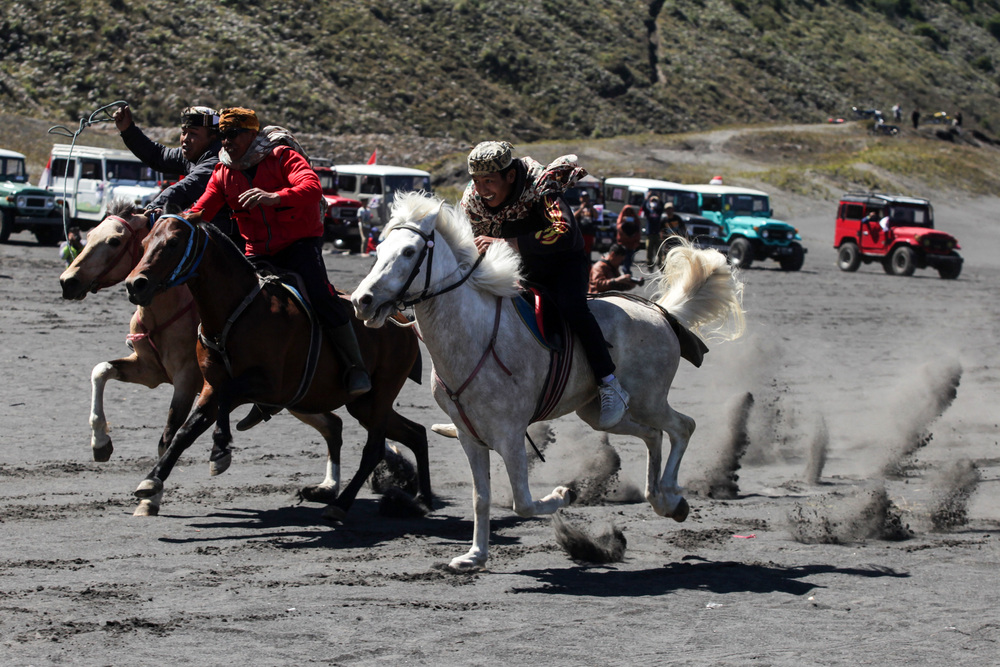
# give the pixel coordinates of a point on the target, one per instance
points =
(331, 427)
(197, 423)
(479, 462)
(413, 436)
(132, 369)
(187, 384)
(515, 460)
(222, 454)
(662, 490)
(370, 411)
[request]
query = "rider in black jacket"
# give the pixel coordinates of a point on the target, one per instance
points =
(521, 201)
(195, 160)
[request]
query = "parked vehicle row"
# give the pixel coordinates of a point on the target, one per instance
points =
(907, 242)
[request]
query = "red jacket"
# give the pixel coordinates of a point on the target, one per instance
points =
(269, 229)
(629, 233)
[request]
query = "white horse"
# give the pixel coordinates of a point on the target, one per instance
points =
(489, 371)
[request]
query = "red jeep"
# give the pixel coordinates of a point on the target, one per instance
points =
(910, 243)
(341, 220)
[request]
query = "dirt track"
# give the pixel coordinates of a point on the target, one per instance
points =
(854, 366)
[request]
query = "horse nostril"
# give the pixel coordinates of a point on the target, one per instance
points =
(137, 285)
(366, 300)
(69, 286)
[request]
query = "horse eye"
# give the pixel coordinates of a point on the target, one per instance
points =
(114, 242)
(409, 252)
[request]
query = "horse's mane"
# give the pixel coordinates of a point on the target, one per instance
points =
(500, 270)
(122, 207)
(226, 244)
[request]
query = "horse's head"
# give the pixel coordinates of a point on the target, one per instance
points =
(408, 249)
(113, 249)
(172, 252)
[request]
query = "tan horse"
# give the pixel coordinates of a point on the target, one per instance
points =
(163, 336)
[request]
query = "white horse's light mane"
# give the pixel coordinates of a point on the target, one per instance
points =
(500, 270)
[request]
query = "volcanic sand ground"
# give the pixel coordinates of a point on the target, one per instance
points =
(792, 570)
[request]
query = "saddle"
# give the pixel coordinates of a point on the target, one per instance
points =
(692, 348)
(541, 316)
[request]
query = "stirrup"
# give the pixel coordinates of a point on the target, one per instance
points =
(254, 417)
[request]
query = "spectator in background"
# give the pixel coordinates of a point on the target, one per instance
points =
(915, 117)
(897, 112)
(586, 217)
(72, 246)
(628, 234)
(652, 211)
(606, 275)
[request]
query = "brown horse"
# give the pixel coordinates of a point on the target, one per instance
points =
(253, 347)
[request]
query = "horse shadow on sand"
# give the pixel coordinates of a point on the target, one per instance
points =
(692, 573)
(302, 527)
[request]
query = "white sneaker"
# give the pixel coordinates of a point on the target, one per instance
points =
(614, 403)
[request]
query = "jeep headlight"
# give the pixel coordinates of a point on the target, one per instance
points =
(790, 235)
(763, 233)
(952, 243)
(22, 201)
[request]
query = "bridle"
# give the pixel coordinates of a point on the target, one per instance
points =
(134, 244)
(427, 250)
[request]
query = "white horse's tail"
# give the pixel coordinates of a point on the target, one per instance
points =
(703, 292)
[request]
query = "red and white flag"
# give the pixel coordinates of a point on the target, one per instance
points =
(374, 158)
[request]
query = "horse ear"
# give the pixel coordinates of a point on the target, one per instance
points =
(431, 219)
(194, 218)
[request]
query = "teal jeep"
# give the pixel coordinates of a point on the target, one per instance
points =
(24, 207)
(750, 231)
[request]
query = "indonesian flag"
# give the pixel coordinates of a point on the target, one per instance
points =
(46, 176)
(374, 157)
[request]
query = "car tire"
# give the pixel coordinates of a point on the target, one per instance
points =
(902, 261)
(794, 261)
(849, 257)
(741, 253)
(49, 237)
(950, 271)
(6, 225)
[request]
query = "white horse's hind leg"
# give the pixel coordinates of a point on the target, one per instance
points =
(479, 462)
(100, 441)
(149, 506)
(679, 427)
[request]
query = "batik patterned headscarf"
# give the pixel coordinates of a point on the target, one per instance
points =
(262, 145)
(561, 174)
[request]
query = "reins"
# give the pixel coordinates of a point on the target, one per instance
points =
(187, 267)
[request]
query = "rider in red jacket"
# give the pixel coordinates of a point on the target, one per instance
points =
(275, 197)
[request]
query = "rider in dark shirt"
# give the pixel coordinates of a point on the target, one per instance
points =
(521, 201)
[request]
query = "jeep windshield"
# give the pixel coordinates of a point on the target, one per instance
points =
(136, 172)
(756, 205)
(684, 202)
(12, 169)
(911, 215)
(407, 183)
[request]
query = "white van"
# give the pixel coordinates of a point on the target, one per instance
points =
(365, 182)
(89, 178)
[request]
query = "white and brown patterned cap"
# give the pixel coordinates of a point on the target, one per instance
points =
(490, 157)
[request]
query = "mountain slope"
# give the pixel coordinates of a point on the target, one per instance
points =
(468, 69)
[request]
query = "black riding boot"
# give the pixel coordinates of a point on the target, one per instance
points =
(257, 414)
(356, 379)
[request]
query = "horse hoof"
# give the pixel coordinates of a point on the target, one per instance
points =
(570, 495)
(318, 494)
(681, 512)
(102, 453)
(220, 465)
(146, 508)
(149, 488)
(334, 513)
(465, 565)
(447, 430)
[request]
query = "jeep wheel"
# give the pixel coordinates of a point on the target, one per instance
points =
(902, 261)
(741, 253)
(49, 236)
(848, 257)
(795, 260)
(950, 271)
(6, 225)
